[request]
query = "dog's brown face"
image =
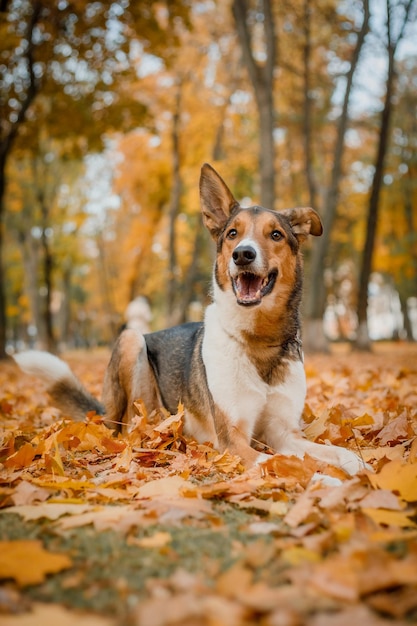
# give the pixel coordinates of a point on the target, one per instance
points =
(257, 249)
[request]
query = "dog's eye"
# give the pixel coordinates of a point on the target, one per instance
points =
(276, 235)
(232, 233)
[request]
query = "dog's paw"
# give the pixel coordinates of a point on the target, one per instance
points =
(351, 462)
(325, 480)
(262, 458)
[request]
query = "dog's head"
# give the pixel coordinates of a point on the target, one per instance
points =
(257, 248)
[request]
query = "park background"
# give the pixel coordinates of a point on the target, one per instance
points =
(109, 109)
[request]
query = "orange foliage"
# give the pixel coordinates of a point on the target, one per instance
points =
(332, 532)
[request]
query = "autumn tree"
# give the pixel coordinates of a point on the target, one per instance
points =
(79, 51)
(396, 241)
(12, 119)
(260, 61)
(168, 254)
(316, 297)
(398, 15)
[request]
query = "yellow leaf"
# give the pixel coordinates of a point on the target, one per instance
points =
(37, 561)
(317, 426)
(363, 420)
(52, 614)
(158, 540)
(391, 518)
(279, 508)
(398, 477)
(123, 460)
(169, 487)
(390, 536)
(60, 482)
(297, 555)
(48, 510)
(53, 462)
(234, 581)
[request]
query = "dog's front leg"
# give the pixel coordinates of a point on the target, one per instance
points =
(236, 438)
(294, 443)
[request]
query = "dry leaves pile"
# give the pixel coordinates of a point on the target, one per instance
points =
(154, 529)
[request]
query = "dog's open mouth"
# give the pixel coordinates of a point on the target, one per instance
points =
(251, 288)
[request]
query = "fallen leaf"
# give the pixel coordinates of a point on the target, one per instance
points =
(395, 431)
(22, 458)
(301, 510)
(235, 581)
(398, 477)
(37, 561)
(26, 493)
(158, 540)
(382, 499)
(48, 510)
(170, 487)
(391, 518)
(292, 468)
(54, 615)
(397, 603)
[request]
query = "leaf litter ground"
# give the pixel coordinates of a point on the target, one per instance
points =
(153, 529)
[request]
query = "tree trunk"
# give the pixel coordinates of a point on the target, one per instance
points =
(408, 327)
(363, 341)
(6, 144)
(66, 305)
(308, 143)
(192, 274)
(314, 337)
(262, 79)
(174, 208)
(48, 265)
(30, 256)
(3, 353)
(106, 290)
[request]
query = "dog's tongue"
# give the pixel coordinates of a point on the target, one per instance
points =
(248, 287)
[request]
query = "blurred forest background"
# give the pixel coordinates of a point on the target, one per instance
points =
(109, 109)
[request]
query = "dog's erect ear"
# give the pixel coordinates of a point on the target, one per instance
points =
(217, 201)
(304, 221)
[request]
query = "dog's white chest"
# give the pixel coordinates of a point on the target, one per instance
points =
(235, 384)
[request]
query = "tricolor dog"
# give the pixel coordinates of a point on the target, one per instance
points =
(239, 374)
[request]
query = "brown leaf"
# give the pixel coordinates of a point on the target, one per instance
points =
(397, 603)
(22, 458)
(395, 431)
(301, 510)
(26, 493)
(292, 468)
(381, 499)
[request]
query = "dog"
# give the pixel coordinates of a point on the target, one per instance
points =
(240, 372)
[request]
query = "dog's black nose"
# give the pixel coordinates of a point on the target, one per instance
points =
(243, 255)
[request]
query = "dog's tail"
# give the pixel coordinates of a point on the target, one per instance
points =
(63, 386)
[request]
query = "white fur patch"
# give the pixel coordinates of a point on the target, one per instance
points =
(257, 266)
(237, 388)
(43, 365)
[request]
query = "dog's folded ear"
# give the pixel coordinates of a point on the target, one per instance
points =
(304, 221)
(217, 201)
